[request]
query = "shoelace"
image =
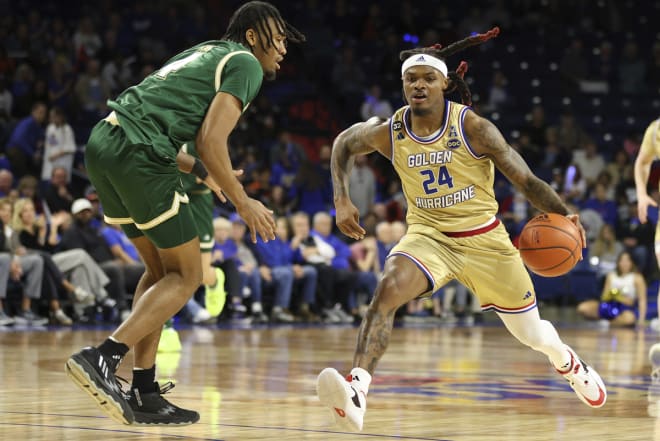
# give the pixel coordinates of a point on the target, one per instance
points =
(122, 380)
(165, 388)
(162, 389)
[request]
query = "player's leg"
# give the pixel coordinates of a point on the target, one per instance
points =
(179, 277)
(513, 299)
(589, 309)
(542, 336)
(402, 281)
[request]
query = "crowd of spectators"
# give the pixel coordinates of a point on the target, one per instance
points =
(573, 103)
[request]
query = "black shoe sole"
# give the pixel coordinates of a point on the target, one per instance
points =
(163, 423)
(77, 368)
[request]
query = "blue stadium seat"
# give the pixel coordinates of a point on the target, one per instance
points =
(551, 288)
(583, 284)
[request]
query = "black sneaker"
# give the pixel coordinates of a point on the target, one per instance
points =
(94, 374)
(151, 409)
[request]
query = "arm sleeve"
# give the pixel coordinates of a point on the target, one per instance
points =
(242, 77)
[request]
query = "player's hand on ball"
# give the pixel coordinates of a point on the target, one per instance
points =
(575, 218)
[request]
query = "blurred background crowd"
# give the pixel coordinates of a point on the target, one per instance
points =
(571, 84)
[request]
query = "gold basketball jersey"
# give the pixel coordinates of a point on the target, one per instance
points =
(651, 140)
(447, 185)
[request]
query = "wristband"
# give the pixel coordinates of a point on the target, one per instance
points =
(199, 170)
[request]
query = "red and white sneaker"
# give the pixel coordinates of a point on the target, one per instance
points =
(585, 381)
(345, 397)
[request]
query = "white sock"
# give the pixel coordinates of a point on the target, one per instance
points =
(256, 307)
(362, 378)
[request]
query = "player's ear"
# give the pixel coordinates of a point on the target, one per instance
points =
(251, 37)
(446, 82)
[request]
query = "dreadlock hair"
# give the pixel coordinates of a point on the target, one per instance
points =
(456, 81)
(255, 15)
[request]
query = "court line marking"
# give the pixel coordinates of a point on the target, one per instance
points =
(245, 426)
(132, 432)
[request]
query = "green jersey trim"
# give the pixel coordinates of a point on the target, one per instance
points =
(167, 215)
(221, 66)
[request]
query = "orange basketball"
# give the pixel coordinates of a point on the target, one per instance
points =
(550, 245)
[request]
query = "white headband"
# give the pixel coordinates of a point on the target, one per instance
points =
(424, 60)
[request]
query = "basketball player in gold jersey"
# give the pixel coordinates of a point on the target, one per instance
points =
(648, 152)
(445, 155)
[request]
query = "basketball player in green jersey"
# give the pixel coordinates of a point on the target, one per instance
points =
(649, 151)
(445, 155)
(133, 160)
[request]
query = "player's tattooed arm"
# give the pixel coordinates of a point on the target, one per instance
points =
(486, 139)
(359, 139)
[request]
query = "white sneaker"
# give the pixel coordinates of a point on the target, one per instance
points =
(585, 381)
(654, 358)
(82, 295)
(346, 402)
(201, 316)
(61, 318)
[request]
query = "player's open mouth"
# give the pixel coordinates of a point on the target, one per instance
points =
(418, 98)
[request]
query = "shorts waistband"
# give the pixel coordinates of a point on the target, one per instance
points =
(112, 118)
(468, 233)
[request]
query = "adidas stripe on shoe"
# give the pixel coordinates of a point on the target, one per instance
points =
(90, 371)
(346, 403)
(585, 381)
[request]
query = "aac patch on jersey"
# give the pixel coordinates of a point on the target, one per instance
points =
(453, 143)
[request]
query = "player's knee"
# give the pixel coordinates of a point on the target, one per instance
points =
(388, 294)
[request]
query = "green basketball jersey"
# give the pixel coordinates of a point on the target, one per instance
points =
(167, 108)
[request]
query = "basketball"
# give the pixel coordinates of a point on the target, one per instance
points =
(550, 245)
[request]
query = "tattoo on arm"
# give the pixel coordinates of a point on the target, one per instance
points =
(349, 143)
(489, 141)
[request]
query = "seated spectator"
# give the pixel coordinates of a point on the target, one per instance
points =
(277, 268)
(58, 195)
(17, 264)
(366, 263)
(92, 92)
(333, 266)
(81, 234)
(252, 271)
(375, 105)
(601, 204)
(362, 185)
(604, 251)
(26, 141)
(623, 300)
(6, 183)
(224, 256)
(39, 238)
(590, 161)
(28, 188)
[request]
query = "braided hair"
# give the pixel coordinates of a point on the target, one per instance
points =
(456, 80)
(255, 15)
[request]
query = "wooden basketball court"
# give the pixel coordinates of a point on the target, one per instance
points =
(435, 383)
